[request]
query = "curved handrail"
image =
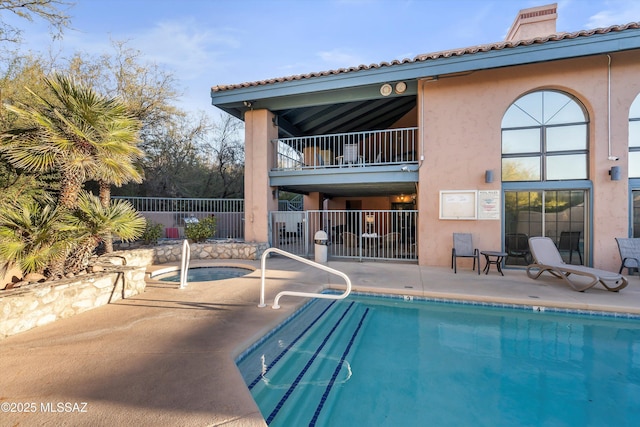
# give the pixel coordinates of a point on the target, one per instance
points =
(184, 264)
(295, 293)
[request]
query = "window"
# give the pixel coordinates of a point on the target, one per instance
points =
(544, 138)
(634, 139)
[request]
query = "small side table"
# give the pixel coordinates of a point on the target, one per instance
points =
(495, 258)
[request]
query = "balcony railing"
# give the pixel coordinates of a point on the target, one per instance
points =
(369, 148)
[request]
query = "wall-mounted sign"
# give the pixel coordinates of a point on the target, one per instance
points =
(489, 204)
(458, 204)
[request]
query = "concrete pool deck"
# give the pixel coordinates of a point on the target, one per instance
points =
(166, 357)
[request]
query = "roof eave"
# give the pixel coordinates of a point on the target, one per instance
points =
(231, 100)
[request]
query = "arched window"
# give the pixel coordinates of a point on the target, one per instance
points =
(634, 139)
(545, 138)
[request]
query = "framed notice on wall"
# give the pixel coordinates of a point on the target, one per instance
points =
(458, 204)
(489, 204)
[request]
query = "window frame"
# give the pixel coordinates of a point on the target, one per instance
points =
(543, 154)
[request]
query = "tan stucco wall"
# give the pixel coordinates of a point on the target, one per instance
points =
(460, 120)
(259, 157)
(461, 117)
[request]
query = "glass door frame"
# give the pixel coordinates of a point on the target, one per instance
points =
(572, 185)
(634, 185)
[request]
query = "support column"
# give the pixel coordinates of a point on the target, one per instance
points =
(259, 197)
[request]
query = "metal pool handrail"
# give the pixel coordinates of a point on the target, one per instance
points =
(295, 293)
(184, 264)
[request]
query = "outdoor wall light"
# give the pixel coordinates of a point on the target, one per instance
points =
(615, 173)
(488, 176)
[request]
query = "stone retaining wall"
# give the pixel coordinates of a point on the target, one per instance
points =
(41, 303)
(209, 250)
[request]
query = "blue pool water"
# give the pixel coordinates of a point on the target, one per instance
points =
(370, 361)
(205, 274)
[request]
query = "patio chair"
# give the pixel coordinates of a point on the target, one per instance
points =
(350, 155)
(349, 242)
(517, 246)
(463, 248)
(389, 244)
(547, 258)
(281, 233)
(570, 241)
(629, 253)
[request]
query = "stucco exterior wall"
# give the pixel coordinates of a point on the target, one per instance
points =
(259, 157)
(461, 122)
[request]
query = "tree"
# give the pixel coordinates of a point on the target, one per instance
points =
(194, 158)
(72, 130)
(172, 158)
(226, 158)
(82, 135)
(49, 10)
(146, 89)
(30, 236)
(92, 223)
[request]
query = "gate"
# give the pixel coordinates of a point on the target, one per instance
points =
(353, 234)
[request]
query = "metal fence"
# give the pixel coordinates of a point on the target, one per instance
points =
(175, 213)
(390, 146)
(354, 234)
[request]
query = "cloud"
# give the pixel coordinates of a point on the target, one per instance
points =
(616, 13)
(185, 47)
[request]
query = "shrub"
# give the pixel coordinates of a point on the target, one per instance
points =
(202, 230)
(152, 233)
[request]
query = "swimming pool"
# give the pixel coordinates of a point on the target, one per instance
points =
(388, 362)
(205, 274)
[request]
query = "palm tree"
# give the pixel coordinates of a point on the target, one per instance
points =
(30, 236)
(72, 130)
(118, 167)
(91, 223)
(78, 133)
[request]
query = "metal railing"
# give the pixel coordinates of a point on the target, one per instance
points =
(296, 293)
(352, 234)
(184, 264)
(178, 204)
(295, 204)
(369, 148)
(175, 213)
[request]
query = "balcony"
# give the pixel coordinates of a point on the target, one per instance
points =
(356, 149)
(348, 164)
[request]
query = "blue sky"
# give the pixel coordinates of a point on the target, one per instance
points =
(210, 42)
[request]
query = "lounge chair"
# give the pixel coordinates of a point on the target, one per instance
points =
(546, 257)
(463, 248)
(629, 253)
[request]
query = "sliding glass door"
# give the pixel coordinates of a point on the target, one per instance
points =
(557, 214)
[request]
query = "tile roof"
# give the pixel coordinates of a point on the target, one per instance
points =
(436, 55)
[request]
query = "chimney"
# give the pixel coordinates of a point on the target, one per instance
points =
(534, 22)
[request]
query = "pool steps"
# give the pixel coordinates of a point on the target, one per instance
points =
(328, 331)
